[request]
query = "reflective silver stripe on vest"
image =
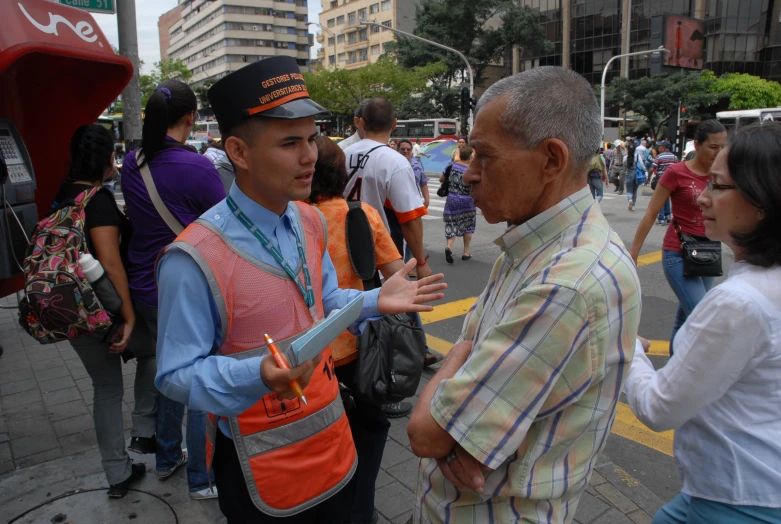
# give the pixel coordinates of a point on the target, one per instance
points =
(264, 441)
(244, 456)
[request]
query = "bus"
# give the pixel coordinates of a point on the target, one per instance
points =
(114, 124)
(736, 119)
(204, 130)
(426, 130)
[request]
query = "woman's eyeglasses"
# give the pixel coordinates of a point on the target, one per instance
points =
(719, 187)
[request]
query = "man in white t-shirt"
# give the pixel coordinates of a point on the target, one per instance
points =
(384, 179)
(417, 151)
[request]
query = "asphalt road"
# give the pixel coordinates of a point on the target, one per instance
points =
(654, 469)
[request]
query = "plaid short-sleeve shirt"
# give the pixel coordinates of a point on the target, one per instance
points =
(554, 335)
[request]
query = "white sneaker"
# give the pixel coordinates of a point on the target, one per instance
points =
(204, 494)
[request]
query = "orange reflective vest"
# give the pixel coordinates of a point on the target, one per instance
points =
(294, 456)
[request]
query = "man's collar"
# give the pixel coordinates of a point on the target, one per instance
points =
(263, 218)
(517, 242)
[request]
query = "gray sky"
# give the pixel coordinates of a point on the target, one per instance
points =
(147, 13)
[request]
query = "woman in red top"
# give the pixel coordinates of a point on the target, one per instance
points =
(683, 183)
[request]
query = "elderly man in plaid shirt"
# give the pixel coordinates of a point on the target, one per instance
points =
(510, 427)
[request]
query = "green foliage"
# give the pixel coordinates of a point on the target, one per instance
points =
(468, 26)
(747, 91)
(436, 101)
(656, 98)
(164, 70)
(341, 90)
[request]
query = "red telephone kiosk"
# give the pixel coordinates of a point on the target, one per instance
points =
(57, 72)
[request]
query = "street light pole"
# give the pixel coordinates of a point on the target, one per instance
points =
(336, 61)
(661, 49)
(436, 44)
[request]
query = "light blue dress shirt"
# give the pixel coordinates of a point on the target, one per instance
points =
(189, 330)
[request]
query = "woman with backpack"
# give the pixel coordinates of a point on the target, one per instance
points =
(368, 422)
(107, 233)
(167, 185)
(682, 183)
(597, 176)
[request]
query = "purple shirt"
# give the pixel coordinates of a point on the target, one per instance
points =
(188, 184)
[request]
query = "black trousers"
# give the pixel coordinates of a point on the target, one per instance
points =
(369, 427)
(238, 508)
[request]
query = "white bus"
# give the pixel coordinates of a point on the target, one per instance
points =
(205, 129)
(736, 119)
(426, 130)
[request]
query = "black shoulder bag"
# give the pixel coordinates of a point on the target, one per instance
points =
(701, 256)
(391, 349)
(444, 188)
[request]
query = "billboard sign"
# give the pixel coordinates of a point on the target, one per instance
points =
(685, 38)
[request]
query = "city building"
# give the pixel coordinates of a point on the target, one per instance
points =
(741, 36)
(164, 24)
(349, 45)
(215, 37)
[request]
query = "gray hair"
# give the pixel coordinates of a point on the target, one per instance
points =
(549, 102)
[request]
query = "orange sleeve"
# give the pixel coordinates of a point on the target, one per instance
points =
(384, 249)
(411, 215)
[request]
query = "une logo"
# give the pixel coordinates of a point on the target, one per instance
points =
(83, 30)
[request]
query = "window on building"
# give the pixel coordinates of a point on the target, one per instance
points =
(362, 14)
(339, 39)
(342, 57)
(375, 29)
(374, 8)
(362, 36)
(331, 59)
(387, 23)
(334, 4)
(376, 49)
(363, 55)
(330, 40)
(340, 20)
(352, 38)
(351, 57)
(331, 22)
(351, 18)
(385, 5)
(291, 30)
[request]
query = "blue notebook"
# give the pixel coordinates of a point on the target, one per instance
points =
(324, 332)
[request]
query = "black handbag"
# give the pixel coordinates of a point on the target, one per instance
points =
(444, 188)
(391, 349)
(701, 256)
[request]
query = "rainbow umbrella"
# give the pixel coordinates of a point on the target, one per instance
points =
(439, 153)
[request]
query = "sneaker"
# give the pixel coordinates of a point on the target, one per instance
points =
(117, 491)
(204, 494)
(631, 206)
(448, 255)
(164, 474)
(143, 445)
(432, 357)
(397, 409)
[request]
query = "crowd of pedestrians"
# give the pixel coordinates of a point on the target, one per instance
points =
(251, 238)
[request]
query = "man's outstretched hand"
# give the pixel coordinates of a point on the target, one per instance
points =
(399, 295)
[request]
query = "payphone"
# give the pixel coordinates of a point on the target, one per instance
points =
(18, 212)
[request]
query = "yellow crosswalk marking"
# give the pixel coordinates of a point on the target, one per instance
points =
(628, 426)
(660, 348)
(449, 310)
(650, 258)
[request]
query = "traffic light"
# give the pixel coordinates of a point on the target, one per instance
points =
(466, 100)
(473, 102)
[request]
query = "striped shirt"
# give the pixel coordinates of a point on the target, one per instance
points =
(663, 161)
(554, 335)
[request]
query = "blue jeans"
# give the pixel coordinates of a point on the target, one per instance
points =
(169, 441)
(170, 414)
(597, 188)
(666, 211)
(689, 290)
(684, 509)
(631, 188)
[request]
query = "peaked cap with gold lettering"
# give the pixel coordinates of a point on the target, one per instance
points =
(273, 88)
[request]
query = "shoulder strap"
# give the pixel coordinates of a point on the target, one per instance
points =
(161, 208)
(360, 246)
(678, 231)
(364, 156)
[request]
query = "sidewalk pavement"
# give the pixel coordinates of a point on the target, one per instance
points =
(50, 468)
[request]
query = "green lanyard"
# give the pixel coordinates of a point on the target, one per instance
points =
(308, 293)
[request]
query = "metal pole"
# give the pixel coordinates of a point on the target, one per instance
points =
(604, 76)
(336, 61)
(446, 48)
(131, 96)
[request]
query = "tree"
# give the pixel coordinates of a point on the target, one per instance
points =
(436, 101)
(657, 97)
(164, 70)
(341, 90)
(746, 91)
(469, 27)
